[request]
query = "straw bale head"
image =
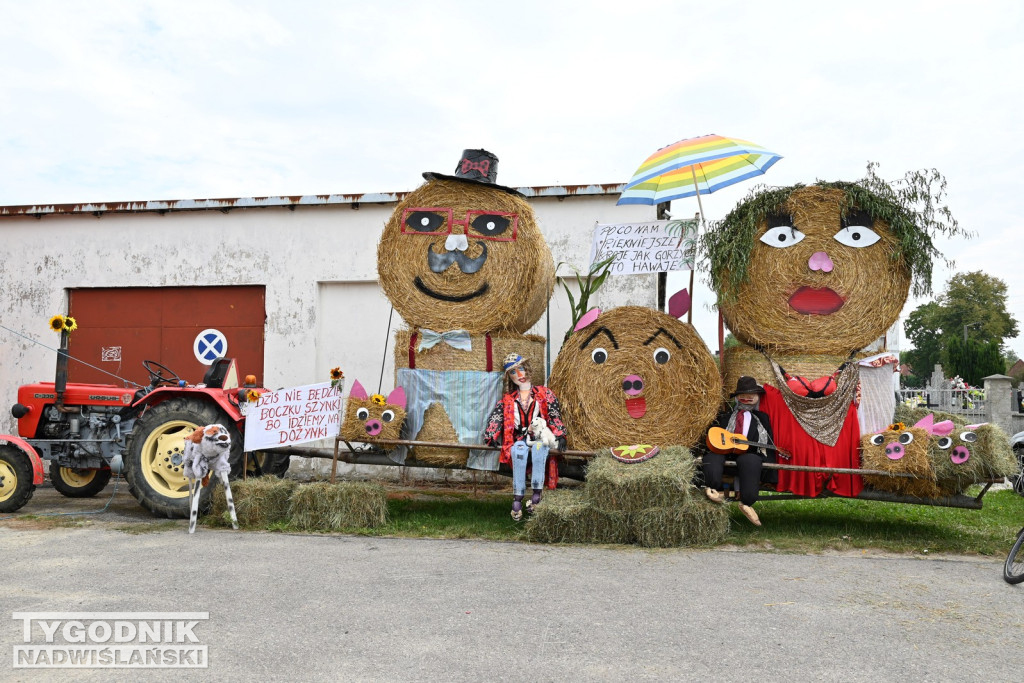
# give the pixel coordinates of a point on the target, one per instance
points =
(457, 255)
(971, 454)
(370, 418)
(635, 375)
(900, 450)
(807, 270)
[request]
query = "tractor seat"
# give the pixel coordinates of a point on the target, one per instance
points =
(223, 374)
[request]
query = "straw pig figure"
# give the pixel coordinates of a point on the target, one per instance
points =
(373, 417)
(206, 451)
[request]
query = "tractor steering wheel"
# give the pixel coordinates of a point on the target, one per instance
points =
(156, 377)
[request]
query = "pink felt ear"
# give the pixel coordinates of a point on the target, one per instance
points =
(587, 318)
(397, 397)
(926, 422)
(973, 427)
(944, 428)
(679, 303)
(358, 391)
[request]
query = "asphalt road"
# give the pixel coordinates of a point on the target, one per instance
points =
(312, 607)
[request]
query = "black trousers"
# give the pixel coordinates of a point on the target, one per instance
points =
(748, 473)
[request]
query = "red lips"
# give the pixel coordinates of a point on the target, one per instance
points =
(811, 301)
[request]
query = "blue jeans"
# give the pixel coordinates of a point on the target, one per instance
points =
(539, 459)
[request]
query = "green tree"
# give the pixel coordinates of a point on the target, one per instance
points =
(973, 306)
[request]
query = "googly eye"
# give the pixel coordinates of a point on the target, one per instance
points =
(363, 413)
(387, 416)
(944, 443)
(906, 437)
(599, 355)
(661, 355)
(857, 236)
(968, 437)
(782, 236)
(877, 439)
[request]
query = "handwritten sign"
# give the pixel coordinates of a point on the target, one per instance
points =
(651, 247)
(291, 416)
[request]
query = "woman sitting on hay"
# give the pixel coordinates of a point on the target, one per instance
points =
(509, 427)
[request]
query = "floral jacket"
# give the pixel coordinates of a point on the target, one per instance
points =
(502, 428)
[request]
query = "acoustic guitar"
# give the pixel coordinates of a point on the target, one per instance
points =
(723, 441)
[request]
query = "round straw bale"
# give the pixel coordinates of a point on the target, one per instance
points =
(697, 522)
(914, 460)
(743, 360)
(810, 291)
(566, 517)
(510, 278)
(346, 506)
(679, 387)
(665, 480)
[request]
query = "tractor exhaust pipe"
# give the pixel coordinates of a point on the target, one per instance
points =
(60, 382)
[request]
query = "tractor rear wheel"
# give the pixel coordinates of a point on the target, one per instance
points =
(261, 464)
(16, 487)
(77, 483)
(156, 448)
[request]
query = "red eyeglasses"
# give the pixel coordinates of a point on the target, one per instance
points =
(439, 220)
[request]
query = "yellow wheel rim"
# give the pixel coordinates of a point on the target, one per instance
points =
(8, 480)
(162, 454)
(76, 478)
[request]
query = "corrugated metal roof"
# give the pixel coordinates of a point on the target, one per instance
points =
(226, 204)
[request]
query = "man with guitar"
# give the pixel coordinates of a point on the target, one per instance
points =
(743, 434)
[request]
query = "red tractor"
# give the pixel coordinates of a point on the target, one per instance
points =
(86, 431)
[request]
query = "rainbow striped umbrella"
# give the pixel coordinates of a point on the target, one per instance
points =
(694, 167)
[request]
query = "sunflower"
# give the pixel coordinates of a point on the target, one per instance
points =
(337, 374)
(897, 427)
(57, 323)
(378, 399)
(70, 324)
(251, 395)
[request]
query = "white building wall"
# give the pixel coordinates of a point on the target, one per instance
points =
(303, 256)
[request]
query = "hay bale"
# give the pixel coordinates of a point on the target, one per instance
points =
(510, 291)
(566, 517)
(665, 480)
(345, 506)
(698, 522)
(363, 416)
(915, 461)
(259, 502)
(743, 360)
(679, 397)
(437, 424)
(768, 307)
(988, 457)
(911, 416)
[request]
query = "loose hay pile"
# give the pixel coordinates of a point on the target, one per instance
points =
(259, 501)
(613, 507)
(681, 388)
(509, 291)
(762, 287)
(349, 505)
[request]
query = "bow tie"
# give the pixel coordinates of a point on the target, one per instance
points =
(457, 339)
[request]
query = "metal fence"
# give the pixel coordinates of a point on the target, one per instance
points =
(968, 402)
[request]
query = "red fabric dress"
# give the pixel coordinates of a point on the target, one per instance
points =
(808, 451)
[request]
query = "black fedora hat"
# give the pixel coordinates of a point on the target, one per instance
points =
(476, 166)
(747, 385)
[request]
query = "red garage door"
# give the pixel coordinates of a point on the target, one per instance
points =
(118, 328)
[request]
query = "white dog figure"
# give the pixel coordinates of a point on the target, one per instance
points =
(207, 450)
(540, 432)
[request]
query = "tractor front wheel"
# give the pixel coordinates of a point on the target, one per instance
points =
(156, 449)
(77, 483)
(16, 487)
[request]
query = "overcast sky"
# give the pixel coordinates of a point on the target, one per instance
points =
(137, 100)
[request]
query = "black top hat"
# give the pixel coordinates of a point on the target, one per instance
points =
(476, 166)
(747, 385)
